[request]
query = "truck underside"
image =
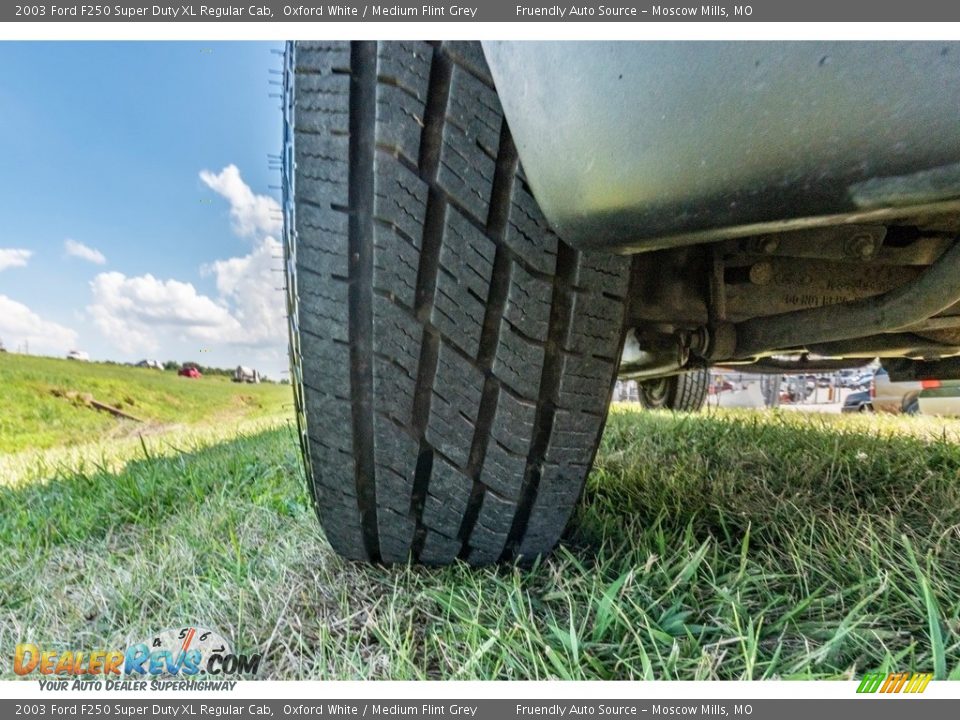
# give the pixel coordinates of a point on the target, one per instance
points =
(815, 299)
(788, 206)
(478, 239)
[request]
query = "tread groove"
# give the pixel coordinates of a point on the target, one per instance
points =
(560, 318)
(506, 169)
(363, 79)
(431, 139)
(463, 210)
(450, 360)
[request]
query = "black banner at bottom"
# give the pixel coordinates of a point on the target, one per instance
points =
(873, 706)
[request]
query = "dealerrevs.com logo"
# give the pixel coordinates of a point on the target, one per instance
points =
(185, 652)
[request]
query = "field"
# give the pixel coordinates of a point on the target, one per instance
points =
(727, 545)
(37, 413)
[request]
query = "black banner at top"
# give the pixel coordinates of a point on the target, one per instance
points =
(486, 11)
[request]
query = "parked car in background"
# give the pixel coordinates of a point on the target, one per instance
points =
(245, 374)
(796, 388)
(152, 364)
(847, 378)
(857, 402)
(189, 372)
(856, 378)
(894, 397)
(939, 397)
(719, 385)
(733, 388)
(78, 355)
(626, 391)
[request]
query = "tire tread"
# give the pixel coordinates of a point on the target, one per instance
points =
(457, 357)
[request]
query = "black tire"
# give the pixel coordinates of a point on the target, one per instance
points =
(453, 360)
(685, 392)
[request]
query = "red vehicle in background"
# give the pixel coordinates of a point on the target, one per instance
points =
(190, 372)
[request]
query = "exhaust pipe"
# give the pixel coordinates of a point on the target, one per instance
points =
(931, 293)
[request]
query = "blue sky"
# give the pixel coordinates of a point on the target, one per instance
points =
(136, 218)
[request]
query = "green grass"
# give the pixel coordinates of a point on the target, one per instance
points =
(722, 546)
(34, 417)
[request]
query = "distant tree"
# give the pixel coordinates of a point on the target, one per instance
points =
(205, 369)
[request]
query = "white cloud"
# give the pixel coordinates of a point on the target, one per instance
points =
(252, 215)
(14, 257)
(84, 252)
(136, 313)
(144, 314)
(20, 326)
(249, 285)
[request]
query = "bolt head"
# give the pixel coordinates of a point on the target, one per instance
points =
(761, 273)
(862, 245)
(769, 245)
